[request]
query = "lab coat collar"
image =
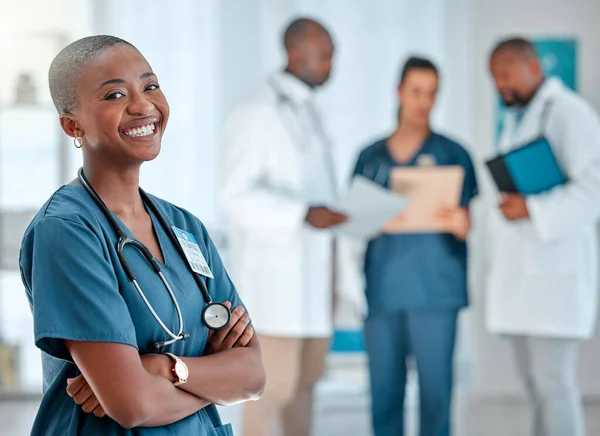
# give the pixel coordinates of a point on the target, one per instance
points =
(546, 91)
(293, 87)
(530, 126)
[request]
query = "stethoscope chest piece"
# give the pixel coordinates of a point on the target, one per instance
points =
(216, 316)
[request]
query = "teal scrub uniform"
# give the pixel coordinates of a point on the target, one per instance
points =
(78, 291)
(415, 286)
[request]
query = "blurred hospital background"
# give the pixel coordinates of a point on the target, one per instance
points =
(209, 54)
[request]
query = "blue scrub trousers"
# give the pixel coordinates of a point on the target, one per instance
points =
(428, 335)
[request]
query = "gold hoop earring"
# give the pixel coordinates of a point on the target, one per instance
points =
(78, 142)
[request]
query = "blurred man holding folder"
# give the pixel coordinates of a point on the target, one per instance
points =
(542, 286)
(416, 279)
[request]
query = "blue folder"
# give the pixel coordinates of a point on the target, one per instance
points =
(528, 170)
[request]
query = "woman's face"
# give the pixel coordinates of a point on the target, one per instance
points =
(417, 95)
(122, 113)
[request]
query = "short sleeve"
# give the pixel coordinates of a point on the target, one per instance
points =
(73, 288)
(470, 188)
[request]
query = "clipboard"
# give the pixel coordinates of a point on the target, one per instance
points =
(429, 188)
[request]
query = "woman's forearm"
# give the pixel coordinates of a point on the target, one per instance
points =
(127, 392)
(165, 404)
(226, 378)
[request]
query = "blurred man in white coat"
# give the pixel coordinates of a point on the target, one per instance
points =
(277, 184)
(543, 284)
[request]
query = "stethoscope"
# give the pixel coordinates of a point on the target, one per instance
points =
(284, 100)
(215, 316)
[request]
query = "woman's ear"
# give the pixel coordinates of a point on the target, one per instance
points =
(70, 125)
(399, 92)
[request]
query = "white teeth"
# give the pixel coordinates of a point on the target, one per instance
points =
(141, 131)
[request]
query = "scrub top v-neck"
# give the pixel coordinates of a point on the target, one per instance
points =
(78, 290)
(416, 271)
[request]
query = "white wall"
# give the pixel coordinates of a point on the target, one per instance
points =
(179, 41)
(491, 20)
(32, 32)
(28, 38)
(209, 54)
(372, 39)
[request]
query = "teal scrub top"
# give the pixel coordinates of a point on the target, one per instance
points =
(78, 290)
(416, 271)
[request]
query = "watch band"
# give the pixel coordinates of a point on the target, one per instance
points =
(178, 362)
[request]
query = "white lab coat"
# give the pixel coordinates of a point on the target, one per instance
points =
(281, 266)
(543, 278)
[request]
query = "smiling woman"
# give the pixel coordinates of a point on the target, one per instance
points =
(123, 108)
(102, 374)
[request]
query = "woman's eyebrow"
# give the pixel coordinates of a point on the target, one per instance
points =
(119, 81)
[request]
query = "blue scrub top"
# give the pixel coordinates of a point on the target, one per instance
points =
(78, 290)
(416, 271)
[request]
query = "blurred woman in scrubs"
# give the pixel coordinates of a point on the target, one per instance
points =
(416, 284)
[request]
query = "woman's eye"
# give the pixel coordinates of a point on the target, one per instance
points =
(115, 96)
(152, 87)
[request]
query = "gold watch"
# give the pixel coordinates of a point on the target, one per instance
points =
(180, 370)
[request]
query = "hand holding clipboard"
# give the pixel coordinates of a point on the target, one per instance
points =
(431, 189)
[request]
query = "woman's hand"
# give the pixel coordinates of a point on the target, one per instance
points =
(236, 334)
(455, 221)
(82, 394)
(393, 224)
(159, 364)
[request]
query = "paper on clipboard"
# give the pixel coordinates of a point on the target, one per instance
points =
(429, 188)
(369, 207)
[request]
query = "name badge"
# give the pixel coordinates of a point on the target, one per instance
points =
(426, 160)
(192, 253)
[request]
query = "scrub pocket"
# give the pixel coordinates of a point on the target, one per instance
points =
(224, 430)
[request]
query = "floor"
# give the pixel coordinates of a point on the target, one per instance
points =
(499, 417)
(342, 408)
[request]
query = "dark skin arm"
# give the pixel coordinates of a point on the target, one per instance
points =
(231, 369)
(228, 377)
(237, 335)
(125, 390)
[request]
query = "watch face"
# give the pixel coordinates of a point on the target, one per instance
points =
(181, 370)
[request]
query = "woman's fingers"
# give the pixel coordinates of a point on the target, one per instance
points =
(219, 336)
(244, 340)
(99, 412)
(91, 404)
(74, 385)
(237, 331)
(84, 394)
